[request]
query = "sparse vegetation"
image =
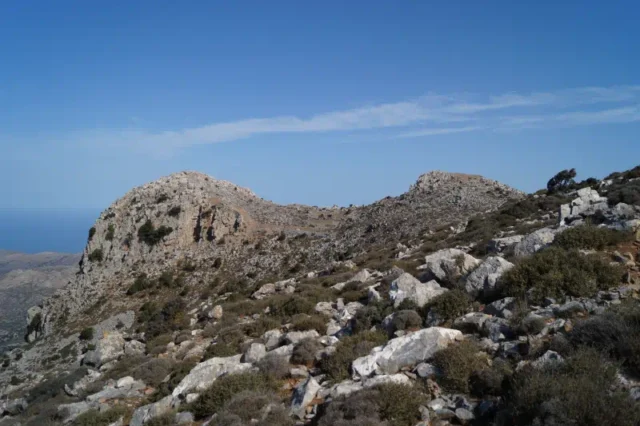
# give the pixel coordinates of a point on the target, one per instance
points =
(303, 322)
(141, 283)
(304, 352)
(457, 363)
(449, 305)
(100, 418)
(174, 211)
(557, 273)
(389, 404)
(151, 236)
(97, 255)
(348, 349)
(588, 237)
(111, 230)
(86, 334)
(226, 387)
(576, 392)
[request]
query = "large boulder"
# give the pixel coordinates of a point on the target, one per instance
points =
(505, 244)
(405, 351)
(205, 373)
(108, 348)
(483, 279)
(535, 241)
(448, 265)
(407, 287)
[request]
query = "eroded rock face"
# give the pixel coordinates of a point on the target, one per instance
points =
(405, 351)
(587, 204)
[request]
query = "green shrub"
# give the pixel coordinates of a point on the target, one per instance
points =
(628, 193)
(174, 211)
(457, 363)
(389, 404)
(305, 322)
(220, 350)
(170, 318)
(159, 341)
(291, 306)
(164, 420)
(490, 381)
(97, 255)
(224, 389)
(405, 320)
(15, 381)
(86, 334)
(557, 273)
(54, 386)
(615, 334)
(274, 366)
(449, 305)
(304, 352)
(141, 283)
(576, 392)
(153, 372)
(588, 237)
(98, 418)
(248, 406)
(151, 236)
(35, 324)
(338, 364)
(92, 232)
(180, 371)
(370, 316)
(110, 232)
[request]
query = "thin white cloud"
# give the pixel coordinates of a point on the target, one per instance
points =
(433, 114)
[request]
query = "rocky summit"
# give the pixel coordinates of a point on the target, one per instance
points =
(462, 301)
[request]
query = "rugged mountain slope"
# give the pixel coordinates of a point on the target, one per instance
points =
(416, 324)
(25, 280)
(224, 231)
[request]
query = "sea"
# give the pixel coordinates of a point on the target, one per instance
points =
(40, 230)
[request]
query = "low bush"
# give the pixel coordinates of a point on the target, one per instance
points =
(405, 320)
(179, 372)
(449, 305)
(274, 366)
(490, 381)
(141, 283)
(160, 341)
(225, 388)
(557, 273)
(87, 334)
(337, 365)
(615, 334)
(92, 232)
(111, 230)
(100, 418)
(589, 237)
(576, 392)
(174, 211)
(170, 318)
(628, 193)
(97, 255)
(151, 236)
(370, 316)
(164, 420)
(305, 322)
(389, 404)
(458, 363)
(290, 306)
(304, 352)
(153, 372)
(54, 386)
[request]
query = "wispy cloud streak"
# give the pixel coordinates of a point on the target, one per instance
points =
(428, 115)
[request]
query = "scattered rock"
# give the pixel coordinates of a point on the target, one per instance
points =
(448, 264)
(482, 280)
(407, 287)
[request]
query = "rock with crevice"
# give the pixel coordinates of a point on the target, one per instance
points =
(407, 287)
(448, 265)
(483, 280)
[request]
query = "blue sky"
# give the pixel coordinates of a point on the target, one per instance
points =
(320, 103)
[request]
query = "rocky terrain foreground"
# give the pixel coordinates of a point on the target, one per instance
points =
(25, 280)
(462, 301)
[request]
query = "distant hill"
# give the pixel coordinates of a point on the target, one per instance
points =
(25, 280)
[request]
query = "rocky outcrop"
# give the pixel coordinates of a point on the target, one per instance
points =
(405, 351)
(448, 265)
(587, 204)
(108, 348)
(205, 373)
(535, 241)
(483, 280)
(406, 287)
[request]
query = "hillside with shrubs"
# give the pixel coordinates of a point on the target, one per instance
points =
(460, 302)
